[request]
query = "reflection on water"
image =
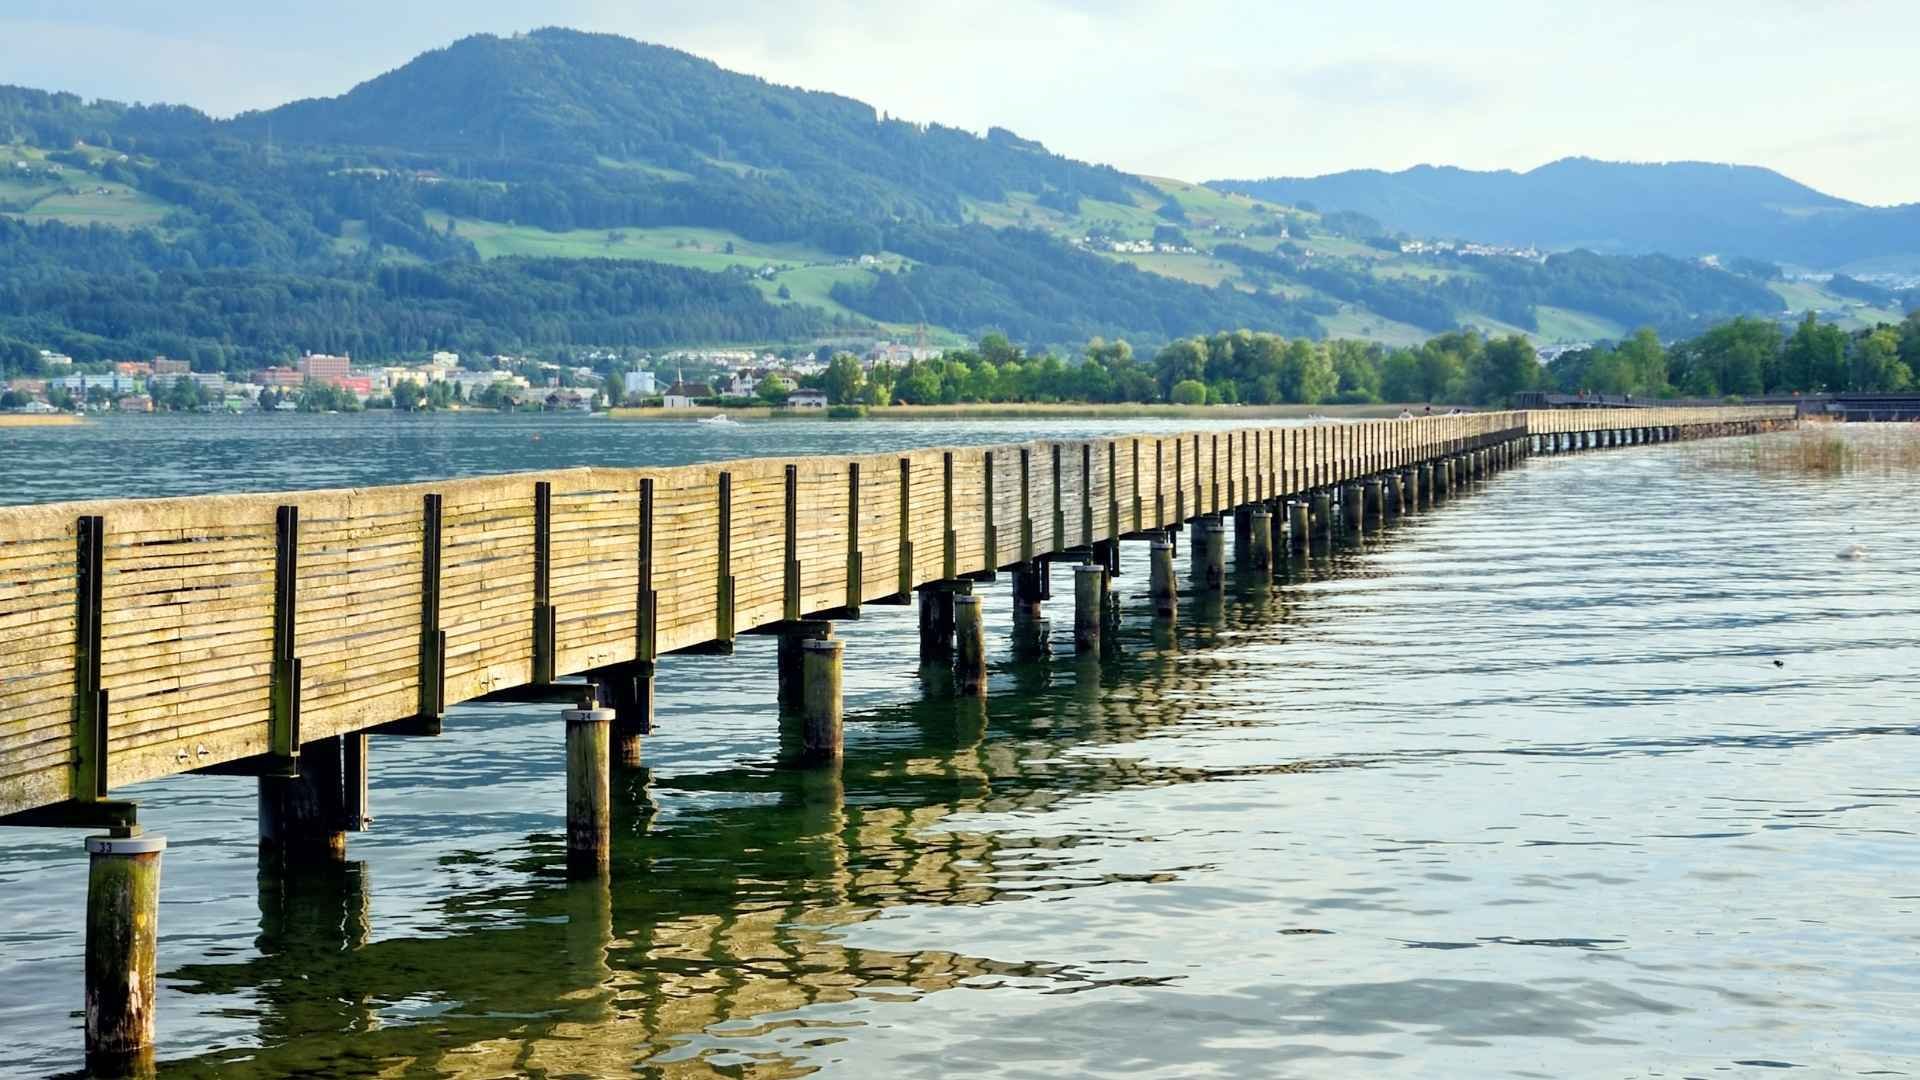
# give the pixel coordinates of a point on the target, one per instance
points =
(1514, 787)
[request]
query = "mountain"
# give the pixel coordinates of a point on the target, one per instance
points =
(559, 189)
(1679, 208)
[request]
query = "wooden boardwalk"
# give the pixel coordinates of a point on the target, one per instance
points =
(142, 638)
(270, 634)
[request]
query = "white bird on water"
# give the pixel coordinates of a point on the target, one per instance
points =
(1852, 552)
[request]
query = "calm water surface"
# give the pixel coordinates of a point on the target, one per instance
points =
(1514, 788)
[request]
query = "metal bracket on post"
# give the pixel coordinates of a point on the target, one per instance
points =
(1059, 509)
(950, 556)
(723, 584)
(283, 731)
(790, 581)
(906, 530)
(1026, 504)
(646, 622)
(88, 782)
(433, 640)
(543, 617)
(855, 561)
(992, 530)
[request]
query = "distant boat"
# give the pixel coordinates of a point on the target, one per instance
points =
(719, 420)
(1852, 552)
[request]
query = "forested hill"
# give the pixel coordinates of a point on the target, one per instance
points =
(650, 198)
(1677, 208)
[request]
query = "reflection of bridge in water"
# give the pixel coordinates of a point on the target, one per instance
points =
(740, 920)
(271, 635)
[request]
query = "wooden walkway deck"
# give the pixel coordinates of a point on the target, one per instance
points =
(146, 638)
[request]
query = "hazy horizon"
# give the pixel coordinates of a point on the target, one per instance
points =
(1144, 89)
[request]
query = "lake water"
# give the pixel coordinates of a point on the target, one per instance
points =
(1602, 770)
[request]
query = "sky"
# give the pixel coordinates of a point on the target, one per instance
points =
(1197, 90)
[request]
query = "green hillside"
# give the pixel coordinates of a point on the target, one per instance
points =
(779, 215)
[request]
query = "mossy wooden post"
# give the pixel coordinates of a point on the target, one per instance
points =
(1089, 606)
(1300, 526)
(1259, 553)
(1323, 514)
(589, 791)
(1166, 596)
(1376, 489)
(123, 918)
(1242, 535)
(970, 646)
(1276, 532)
(821, 741)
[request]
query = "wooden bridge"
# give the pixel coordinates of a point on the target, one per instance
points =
(271, 634)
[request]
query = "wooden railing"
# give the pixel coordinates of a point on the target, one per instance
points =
(142, 638)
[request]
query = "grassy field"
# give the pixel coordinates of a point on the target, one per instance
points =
(1363, 325)
(1562, 324)
(76, 197)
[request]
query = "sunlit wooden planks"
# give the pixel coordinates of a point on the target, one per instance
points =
(37, 595)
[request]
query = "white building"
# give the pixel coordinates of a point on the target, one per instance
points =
(55, 360)
(641, 382)
(807, 399)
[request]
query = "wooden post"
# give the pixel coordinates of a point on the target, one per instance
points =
(1242, 534)
(355, 814)
(589, 791)
(1376, 499)
(1211, 543)
(936, 620)
(1089, 606)
(303, 817)
(792, 679)
(1166, 596)
(632, 699)
(820, 710)
(1353, 509)
(1323, 513)
(1259, 553)
(1300, 525)
(1028, 591)
(970, 646)
(123, 918)
(1277, 532)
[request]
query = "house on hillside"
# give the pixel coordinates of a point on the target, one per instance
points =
(807, 399)
(682, 395)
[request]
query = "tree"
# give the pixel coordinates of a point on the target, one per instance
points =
(1505, 367)
(845, 382)
(1188, 392)
(1815, 358)
(183, 395)
(774, 390)
(407, 395)
(12, 399)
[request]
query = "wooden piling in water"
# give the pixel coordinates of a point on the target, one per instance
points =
(791, 657)
(589, 791)
(1029, 589)
(970, 646)
(1259, 553)
(303, 817)
(822, 739)
(1300, 525)
(1089, 606)
(123, 919)
(630, 695)
(1211, 553)
(1160, 582)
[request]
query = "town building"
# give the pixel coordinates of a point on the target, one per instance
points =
(640, 382)
(50, 360)
(807, 399)
(164, 366)
(322, 366)
(285, 378)
(683, 395)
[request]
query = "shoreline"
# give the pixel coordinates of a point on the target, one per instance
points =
(1058, 411)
